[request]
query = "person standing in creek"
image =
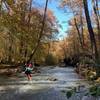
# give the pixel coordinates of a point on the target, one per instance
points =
(28, 71)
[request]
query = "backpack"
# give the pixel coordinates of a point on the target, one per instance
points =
(28, 69)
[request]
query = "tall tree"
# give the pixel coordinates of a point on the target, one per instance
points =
(90, 29)
(75, 7)
(79, 33)
(41, 33)
(97, 18)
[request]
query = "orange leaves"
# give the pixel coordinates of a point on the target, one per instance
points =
(50, 15)
(72, 5)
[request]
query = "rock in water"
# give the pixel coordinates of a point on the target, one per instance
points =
(88, 98)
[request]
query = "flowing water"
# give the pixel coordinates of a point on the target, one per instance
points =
(50, 79)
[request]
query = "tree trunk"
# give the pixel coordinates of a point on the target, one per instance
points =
(95, 8)
(90, 29)
(0, 7)
(40, 35)
(10, 49)
(79, 34)
(82, 31)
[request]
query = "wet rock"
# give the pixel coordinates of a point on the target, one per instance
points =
(81, 88)
(36, 70)
(98, 80)
(88, 98)
(52, 79)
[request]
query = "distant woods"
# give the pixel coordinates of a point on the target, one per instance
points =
(84, 32)
(25, 29)
(28, 32)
